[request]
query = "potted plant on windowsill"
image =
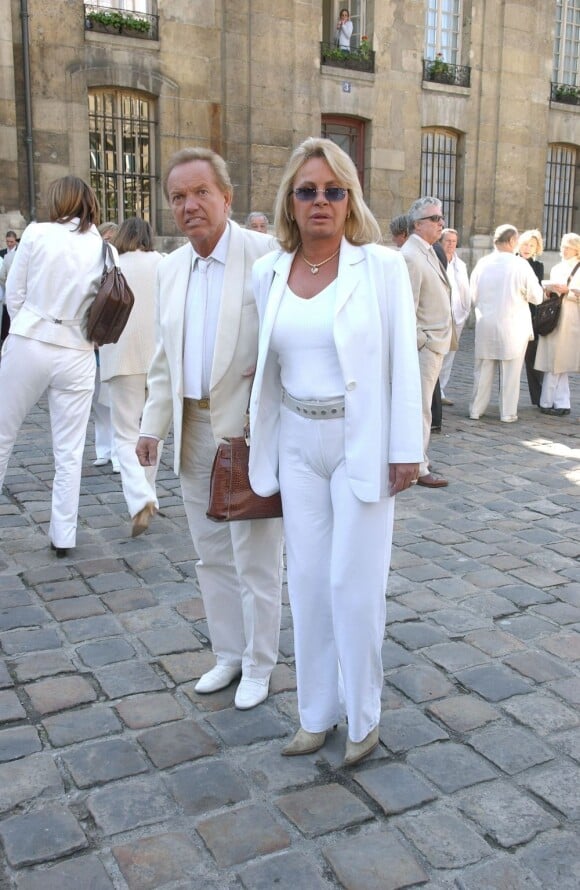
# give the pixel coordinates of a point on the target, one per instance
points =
(439, 70)
(117, 23)
(567, 93)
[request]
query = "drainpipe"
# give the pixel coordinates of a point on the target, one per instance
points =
(24, 15)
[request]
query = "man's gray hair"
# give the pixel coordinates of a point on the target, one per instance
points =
(399, 225)
(416, 210)
(504, 234)
(256, 214)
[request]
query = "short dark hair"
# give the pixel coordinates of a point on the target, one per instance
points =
(11, 234)
(70, 197)
(134, 234)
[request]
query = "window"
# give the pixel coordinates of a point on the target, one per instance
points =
(439, 170)
(348, 134)
(566, 42)
(559, 194)
(358, 17)
(143, 6)
(121, 137)
(443, 30)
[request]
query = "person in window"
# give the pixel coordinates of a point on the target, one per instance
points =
(52, 282)
(558, 353)
(530, 247)
(335, 425)
(344, 31)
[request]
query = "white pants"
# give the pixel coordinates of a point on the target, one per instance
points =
(555, 391)
(240, 563)
(127, 394)
(448, 361)
(338, 552)
(429, 369)
(510, 372)
(104, 447)
(30, 368)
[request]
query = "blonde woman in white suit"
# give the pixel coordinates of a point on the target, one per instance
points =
(335, 423)
(124, 366)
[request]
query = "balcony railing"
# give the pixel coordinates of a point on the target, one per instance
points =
(362, 58)
(439, 71)
(120, 21)
(565, 93)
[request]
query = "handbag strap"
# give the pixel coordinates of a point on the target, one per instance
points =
(572, 273)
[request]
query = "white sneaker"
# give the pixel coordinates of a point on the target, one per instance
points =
(218, 678)
(250, 693)
(101, 462)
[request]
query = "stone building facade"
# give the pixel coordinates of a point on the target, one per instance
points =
(454, 97)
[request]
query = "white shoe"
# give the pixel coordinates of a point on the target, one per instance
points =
(101, 462)
(116, 466)
(218, 678)
(250, 693)
(511, 419)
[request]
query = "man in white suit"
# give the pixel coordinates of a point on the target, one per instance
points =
(502, 285)
(200, 378)
(460, 301)
(432, 295)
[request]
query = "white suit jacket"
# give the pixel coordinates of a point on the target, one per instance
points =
(236, 343)
(374, 333)
(432, 295)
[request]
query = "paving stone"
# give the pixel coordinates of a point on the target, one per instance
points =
(397, 612)
(421, 601)
(501, 874)
(176, 743)
(45, 664)
(494, 642)
(70, 727)
(542, 712)
(42, 836)
(554, 859)
(108, 582)
(187, 665)
(59, 693)
(129, 678)
(505, 813)
(203, 787)
(394, 655)
(16, 642)
(564, 645)
(395, 787)
(91, 628)
(524, 595)
(271, 772)
(460, 621)
(538, 576)
(130, 804)
(455, 656)
(248, 727)
(152, 862)
(558, 785)
(421, 682)
(567, 689)
(18, 742)
(560, 613)
(192, 609)
(451, 766)
(104, 762)
(494, 682)
(374, 861)
(87, 872)
(61, 587)
(537, 666)
(247, 832)
(128, 600)
(443, 838)
(105, 652)
(417, 634)
(408, 728)
(72, 608)
(322, 809)
(141, 711)
(23, 616)
(10, 707)
(5, 678)
(569, 742)
(462, 713)
(526, 627)
(287, 871)
(511, 748)
(147, 619)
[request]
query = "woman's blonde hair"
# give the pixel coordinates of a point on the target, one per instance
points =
(360, 228)
(70, 197)
(532, 235)
(571, 239)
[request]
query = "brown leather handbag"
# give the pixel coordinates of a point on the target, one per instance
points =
(231, 497)
(110, 310)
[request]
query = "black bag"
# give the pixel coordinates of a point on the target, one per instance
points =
(547, 315)
(111, 308)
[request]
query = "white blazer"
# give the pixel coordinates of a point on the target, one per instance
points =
(375, 337)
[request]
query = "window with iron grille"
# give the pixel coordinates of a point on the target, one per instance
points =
(439, 169)
(567, 42)
(121, 129)
(443, 30)
(559, 194)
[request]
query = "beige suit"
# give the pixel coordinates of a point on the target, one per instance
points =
(432, 295)
(239, 570)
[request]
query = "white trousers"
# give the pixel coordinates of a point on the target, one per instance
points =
(128, 394)
(448, 361)
(338, 552)
(429, 369)
(104, 447)
(29, 368)
(510, 372)
(555, 391)
(240, 563)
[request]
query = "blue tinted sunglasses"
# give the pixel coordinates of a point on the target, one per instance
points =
(332, 194)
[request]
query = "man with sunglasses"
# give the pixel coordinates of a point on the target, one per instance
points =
(432, 294)
(200, 379)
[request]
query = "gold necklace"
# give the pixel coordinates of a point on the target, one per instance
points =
(314, 267)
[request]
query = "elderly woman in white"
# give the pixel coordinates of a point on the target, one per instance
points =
(335, 422)
(559, 352)
(124, 367)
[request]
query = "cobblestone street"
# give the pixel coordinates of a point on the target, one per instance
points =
(114, 773)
